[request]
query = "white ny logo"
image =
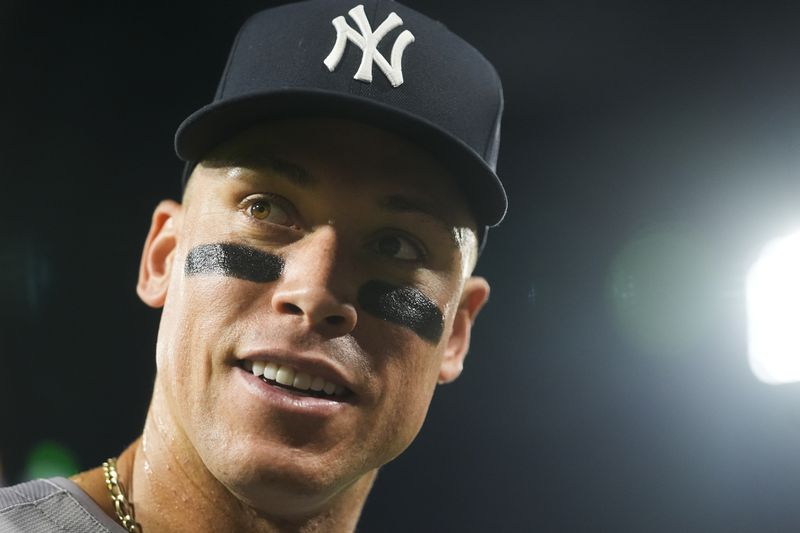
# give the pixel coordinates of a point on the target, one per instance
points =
(368, 42)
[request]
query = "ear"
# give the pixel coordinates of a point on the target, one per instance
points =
(473, 297)
(159, 247)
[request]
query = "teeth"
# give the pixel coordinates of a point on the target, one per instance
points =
(302, 381)
(288, 376)
(270, 371)
(318, 384)
(285, 375)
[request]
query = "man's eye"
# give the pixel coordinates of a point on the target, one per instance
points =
(398, 247)
(268, 211)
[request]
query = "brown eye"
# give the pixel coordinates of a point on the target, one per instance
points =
(398, 247)
(270, 211)
(260, 210)
(389, 246)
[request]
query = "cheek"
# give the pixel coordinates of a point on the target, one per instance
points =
(201, 324)
(407, 368)
(217, 290)
(409, 401)
(199, 327)
(410, 376)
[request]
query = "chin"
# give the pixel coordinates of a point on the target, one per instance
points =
(262, 473)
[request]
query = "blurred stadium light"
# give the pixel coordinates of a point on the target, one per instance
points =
(773, 311)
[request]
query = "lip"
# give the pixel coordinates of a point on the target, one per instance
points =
(286, 400)
(311, 364)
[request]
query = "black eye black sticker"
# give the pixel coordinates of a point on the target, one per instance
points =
(233, 260)
(404, 306)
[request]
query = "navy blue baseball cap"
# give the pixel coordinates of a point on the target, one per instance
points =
(376, 62)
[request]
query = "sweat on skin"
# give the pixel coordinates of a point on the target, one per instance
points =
(214, 433)
(404, 306)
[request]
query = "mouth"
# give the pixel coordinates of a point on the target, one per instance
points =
(294, 381)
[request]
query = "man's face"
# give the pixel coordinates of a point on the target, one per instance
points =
(325, 248)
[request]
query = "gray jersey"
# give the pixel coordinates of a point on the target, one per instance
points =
(52, 505)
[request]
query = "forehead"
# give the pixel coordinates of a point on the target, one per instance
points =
(320, 153)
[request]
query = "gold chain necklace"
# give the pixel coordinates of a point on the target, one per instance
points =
(122, 506)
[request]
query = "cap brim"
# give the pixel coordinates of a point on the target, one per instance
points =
(217, 122)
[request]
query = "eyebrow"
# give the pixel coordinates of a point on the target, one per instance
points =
(400, 203)
(292, 172)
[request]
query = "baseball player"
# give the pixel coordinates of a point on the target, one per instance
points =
(315, 280)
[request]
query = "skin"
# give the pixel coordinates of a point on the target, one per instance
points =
(213, 456)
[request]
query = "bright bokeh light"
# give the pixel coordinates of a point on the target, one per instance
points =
(773, 309)
(50, 459)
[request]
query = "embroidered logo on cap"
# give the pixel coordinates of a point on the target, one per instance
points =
(368, 42)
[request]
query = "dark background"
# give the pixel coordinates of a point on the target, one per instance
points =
(650, 149)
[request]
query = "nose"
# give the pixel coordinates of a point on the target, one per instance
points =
(312, 288)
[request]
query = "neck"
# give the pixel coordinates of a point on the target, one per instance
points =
(172, 490)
